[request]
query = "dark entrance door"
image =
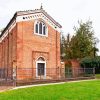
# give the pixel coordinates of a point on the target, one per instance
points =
(41, 69)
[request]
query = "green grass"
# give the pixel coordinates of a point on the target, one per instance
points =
(87, 90)
(97, 76)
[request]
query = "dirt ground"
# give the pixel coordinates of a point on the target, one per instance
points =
(5, 88)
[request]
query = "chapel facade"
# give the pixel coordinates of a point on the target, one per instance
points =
(31, 42)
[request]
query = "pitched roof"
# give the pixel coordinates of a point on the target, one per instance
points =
(19, 13)
(27, 12)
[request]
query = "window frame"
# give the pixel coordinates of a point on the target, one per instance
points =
(43, 25)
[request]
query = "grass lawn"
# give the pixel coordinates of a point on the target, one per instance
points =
(97, 76)
(86, 90)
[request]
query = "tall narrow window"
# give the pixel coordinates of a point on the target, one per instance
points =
(44, 30)
(40, 28)
(36, 28)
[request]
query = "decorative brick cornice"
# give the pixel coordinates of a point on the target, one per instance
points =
(30, 15)
(29, 12)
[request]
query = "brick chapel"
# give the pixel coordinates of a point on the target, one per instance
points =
(31, 40)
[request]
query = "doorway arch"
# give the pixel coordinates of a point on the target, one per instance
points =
(41, 68)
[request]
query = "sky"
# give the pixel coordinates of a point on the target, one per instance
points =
(66, 12)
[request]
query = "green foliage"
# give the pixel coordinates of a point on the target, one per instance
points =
(88, 62)
(94, 62)
(82, 44)
(83, 41)
(65, 47)
(97, 76)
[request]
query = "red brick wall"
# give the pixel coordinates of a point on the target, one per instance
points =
(8, 51)
(31, 46)
(23, 47)
(75, 63)
(0, 55)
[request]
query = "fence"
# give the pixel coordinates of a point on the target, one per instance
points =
(77, 72)
(22, 76)
(6, 78)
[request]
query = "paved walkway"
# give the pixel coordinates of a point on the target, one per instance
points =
(50, 84)
(5, 88)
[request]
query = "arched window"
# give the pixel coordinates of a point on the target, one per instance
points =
(40, 28)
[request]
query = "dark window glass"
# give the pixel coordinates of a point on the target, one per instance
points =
(40, 28)
(36, 28)
(44, 30)
(41, 69)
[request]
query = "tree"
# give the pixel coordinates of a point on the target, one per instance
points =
(82, 43)
(65, 47)
(89, 62)
(62, 46)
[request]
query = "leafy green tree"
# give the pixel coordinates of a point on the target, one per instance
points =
(82, 43)
(89, 62)
(62, 48)
(65, 47)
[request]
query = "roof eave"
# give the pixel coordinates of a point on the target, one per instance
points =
(14, 17)
(20, 13)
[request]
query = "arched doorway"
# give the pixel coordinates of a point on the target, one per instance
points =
(41, 68)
